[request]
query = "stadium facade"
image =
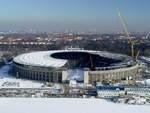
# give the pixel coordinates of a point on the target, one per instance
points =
(94, 66)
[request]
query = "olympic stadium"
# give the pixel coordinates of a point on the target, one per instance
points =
(82, 65)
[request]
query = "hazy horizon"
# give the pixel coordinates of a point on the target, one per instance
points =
(77, 15)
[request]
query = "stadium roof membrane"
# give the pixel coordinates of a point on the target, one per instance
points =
(44, 58)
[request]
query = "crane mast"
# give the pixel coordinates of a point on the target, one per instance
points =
(147, 36)
(137, 54)
(127, 33)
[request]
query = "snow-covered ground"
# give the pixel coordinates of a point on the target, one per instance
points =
(145, 58)
(63, 105)
(147, 82)
(7, 81)
(75, 74)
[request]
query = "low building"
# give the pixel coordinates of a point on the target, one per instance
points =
(116, 91)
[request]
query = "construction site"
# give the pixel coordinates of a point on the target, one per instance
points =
(86, 66)
(75, 72)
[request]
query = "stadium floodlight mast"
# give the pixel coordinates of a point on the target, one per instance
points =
(132, 42)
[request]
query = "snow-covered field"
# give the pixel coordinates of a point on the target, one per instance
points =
(62, 105)
(7, 81)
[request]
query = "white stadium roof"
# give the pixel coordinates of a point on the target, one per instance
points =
(44, 59)
(41, 58)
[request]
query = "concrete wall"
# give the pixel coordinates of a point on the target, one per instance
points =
(118, 74)
(64, 75)
(52, 75)
(37, 73)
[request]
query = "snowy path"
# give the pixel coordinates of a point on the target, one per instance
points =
(59, 105)
(7, 81)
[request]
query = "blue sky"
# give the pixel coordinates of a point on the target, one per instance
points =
(59, 15)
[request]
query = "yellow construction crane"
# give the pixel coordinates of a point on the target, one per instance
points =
(132, 42)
